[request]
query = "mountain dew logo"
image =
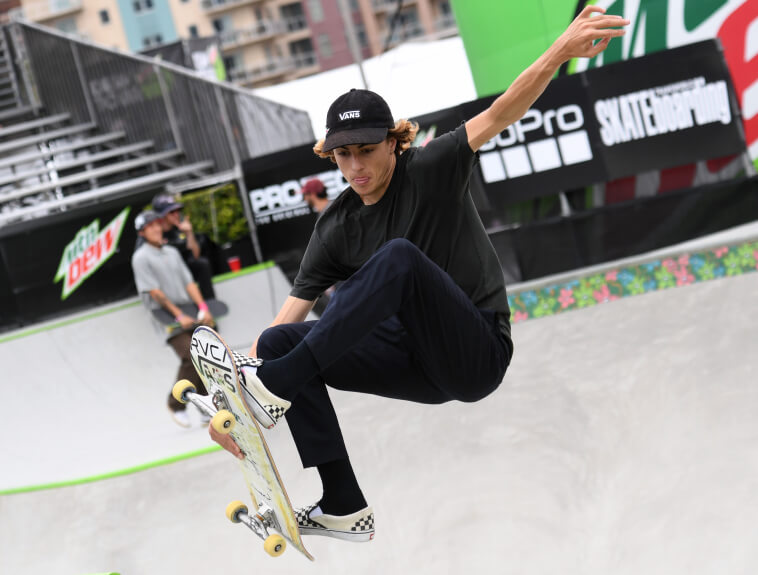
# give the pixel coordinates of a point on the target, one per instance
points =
(90, 249)
(663, 24)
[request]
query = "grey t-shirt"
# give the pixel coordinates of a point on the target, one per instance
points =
(428, 202)
(164, 269)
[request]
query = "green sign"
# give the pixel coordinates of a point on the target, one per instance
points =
(502, 38)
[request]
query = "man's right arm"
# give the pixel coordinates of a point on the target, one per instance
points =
(294, 310)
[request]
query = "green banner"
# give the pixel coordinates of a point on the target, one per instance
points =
(503, 38)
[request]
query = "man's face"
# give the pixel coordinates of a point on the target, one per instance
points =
(310, 199)
(153, 232)
(173, 218)
(367, 168)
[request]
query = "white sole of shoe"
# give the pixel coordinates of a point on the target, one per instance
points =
(351, 536)
(261, 415)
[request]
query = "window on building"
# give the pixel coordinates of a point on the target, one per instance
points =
(193, 31)
(302, 53)
(325, 46)
(104, 17)
(232, 62)
(142, 5)
(316, 9)
(293, 16)
(360, 32)
(223, 24)
(67, 25)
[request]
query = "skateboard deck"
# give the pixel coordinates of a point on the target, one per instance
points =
(215, 363)
(217, 308)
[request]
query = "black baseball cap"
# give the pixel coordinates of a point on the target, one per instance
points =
(357, 117)
(165, 203)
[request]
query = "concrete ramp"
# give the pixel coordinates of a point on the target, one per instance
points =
(90, 393)
(623, 440)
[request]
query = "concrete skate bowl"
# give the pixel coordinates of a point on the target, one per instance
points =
(622, 440)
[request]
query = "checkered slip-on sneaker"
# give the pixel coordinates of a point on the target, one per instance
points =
(266, 407)
(358, 527)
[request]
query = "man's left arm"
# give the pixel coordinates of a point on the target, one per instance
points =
(185, 226)
(204, 314)
(578, 41)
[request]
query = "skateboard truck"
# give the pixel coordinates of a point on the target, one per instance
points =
(259, 523)
(222, 420)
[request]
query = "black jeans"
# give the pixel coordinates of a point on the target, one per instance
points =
(399, 328)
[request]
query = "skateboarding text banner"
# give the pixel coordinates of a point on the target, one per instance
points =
(664, 110)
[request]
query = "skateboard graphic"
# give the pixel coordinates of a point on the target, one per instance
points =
(272, 510)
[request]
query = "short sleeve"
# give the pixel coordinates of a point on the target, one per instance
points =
(317, 271)
(446, 163)
(144, 278)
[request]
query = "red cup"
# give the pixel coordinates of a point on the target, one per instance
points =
(234, 263)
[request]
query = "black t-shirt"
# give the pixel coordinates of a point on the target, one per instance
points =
(428, 202)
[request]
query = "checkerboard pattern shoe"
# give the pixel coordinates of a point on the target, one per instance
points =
(266, 407)
(357, 527)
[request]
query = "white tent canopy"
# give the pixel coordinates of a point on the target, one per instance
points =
(415, 78)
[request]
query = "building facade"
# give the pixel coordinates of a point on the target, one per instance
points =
(262, 42)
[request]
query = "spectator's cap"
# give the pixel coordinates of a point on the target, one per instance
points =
(144, 218)
(357, 117)
(315, 187)
(165, 203)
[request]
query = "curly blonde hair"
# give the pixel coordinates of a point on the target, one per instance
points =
(404, 133)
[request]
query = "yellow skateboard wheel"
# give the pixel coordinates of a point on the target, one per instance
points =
(234, 509)
(274, 545)
(180, 388)
(223, 422)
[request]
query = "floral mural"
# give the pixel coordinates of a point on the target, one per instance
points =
(623, 282)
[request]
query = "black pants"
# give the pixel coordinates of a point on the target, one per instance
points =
(181, 346)
(399, 328)
(201, 271)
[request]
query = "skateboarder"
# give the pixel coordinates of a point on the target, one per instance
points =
(164, 281)
(422, 312)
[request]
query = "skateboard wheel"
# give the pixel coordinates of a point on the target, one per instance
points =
(274, 545)
(223, 422)
(180, 388)
(234, 509)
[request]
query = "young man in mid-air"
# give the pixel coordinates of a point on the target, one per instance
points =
(422, 312)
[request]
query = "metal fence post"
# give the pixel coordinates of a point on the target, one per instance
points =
(83, 82)
(169, 110)
(238, 172)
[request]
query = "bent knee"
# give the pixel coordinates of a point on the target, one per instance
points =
(273, 343)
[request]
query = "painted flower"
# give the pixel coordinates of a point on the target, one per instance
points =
(584, 297)
(566, 298)
(529, 298)
(635, 287)
(664, 278)
(604, 295)
(520, 316)
(611, 276)
(626, 276)
(720, 252)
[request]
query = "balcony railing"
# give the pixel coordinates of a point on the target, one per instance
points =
(258, 73)
(273, 69)
(218, 5)
(41, 11)
(404, 33)
(262, 30)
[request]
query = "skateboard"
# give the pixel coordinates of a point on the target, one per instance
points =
(272, 518)
(217, 308)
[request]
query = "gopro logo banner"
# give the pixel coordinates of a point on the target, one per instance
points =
(538, 142)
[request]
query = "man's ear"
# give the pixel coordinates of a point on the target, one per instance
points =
(393, 145)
